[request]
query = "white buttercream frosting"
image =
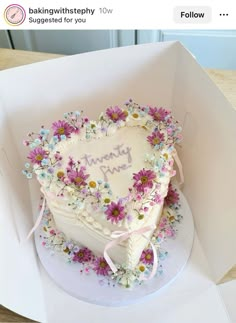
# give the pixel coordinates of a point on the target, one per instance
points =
(111, 154)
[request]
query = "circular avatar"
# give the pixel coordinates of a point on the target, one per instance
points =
(14, 15)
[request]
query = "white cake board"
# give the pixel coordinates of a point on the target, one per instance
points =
(89, 288)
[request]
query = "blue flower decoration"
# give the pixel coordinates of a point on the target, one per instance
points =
(63, 137)
(51, 146)
(37, 141)
(29, 175)
(55, 139)
(44, 162)
(44, 132)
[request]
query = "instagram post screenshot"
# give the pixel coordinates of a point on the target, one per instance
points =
(117, 161)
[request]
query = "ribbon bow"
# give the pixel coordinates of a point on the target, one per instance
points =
(38, 219)
(179, 165)
(120, 236)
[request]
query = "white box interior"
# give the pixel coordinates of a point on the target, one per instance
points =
(157, 74)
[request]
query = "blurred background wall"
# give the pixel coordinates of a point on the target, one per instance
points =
(212, 48)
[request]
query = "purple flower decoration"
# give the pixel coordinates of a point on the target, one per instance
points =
(158, 114)
(156, 138)
(61, 128)
(115, 212)
(101, 267)
(83, 255)
(78, 177)
(116, 114)
(172, 196)
(147, 256)
(37, 155)
(144, 180)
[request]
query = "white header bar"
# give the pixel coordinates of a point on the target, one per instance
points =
(62, 14)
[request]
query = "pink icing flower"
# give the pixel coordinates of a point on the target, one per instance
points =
(162, 222)
(147, 256)
(156, 138)
(78, 177)
(101, 267)
(37, 155)
(71, 163)
(62, 128)
(158, 199)
(169, 232)
(115, 212)
(83, 255)
(115, 114)
(57, 156)
(172, 196)
(144, 180)
(26, 143)
(158, 114)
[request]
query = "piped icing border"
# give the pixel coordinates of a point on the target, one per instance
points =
(87, 262)
(75, 184)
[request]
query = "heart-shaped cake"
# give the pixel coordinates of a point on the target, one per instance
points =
(105, 181)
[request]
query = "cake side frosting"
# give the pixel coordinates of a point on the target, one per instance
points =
(100, 177)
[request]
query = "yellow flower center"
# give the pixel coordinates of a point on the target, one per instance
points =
(114, 116)
(39, 157)
(142, 268)
(61, 131)
(144, 179)
(148, 256)
(92, 184)
(102, 264)
(80, 254)
(156, 141)
(78, 180)
(165, 156)
(135, 115)
(60, 174)
(107, 200)
(171, 218)
(115, 212)
(126, 113)
(157, 116)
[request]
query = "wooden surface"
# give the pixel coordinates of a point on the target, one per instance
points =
(9, 316)
(225, 80)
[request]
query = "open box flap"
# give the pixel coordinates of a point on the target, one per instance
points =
(208, 155)
(93, 81)
(20, 281)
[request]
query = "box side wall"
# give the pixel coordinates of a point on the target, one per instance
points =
(21, 288)
(208, 155)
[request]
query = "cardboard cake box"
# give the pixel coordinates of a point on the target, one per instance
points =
(161, 74)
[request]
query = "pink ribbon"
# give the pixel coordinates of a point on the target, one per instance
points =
(38, 219)
(123, 235)
(180, 167)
